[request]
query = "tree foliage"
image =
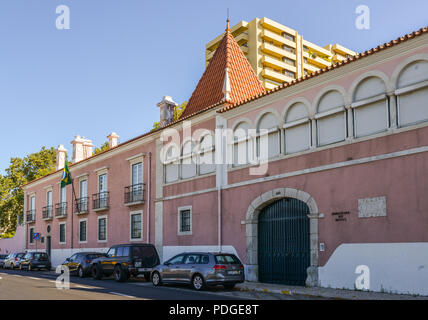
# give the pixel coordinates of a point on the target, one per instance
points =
(20, 172)
(178, 110)
(103, 147)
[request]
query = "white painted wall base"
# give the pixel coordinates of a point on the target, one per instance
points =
(394, 267)
(170, 251)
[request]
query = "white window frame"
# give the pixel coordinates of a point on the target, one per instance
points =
(175, 161)
(192, 155)
(134, 160)
(65, 232)
(404, 90)
(292, 124)
(201, 152)
(131, 213)
(98, 228)
(325, 114)
(184, 233)
(86, 236)
(361, 103)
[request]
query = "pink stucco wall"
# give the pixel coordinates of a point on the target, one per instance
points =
(14, 244)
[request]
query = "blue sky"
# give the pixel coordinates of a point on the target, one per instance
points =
(121, 57)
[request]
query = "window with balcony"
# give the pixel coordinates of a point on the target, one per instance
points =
(82, 201)
(61, 206)
(101, 199)
(135, 192)
(31, 214)
(47, 210)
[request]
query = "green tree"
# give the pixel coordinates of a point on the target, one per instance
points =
(104, 146)
(19, 172)
(178, 110)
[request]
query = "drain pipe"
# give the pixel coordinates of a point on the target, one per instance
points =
(219, 217)
(149, 196)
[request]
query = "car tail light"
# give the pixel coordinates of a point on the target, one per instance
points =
(219, 267)
(130, 264)
(16, 259)
(87, 261)
(241, 266)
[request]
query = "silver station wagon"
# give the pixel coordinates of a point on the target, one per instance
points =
(200, 269)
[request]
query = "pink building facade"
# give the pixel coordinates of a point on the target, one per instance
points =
(346, 164)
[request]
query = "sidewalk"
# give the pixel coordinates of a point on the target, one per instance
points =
(327, 293)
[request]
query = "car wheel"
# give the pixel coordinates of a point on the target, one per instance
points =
(229, 286)
(119, 273)
(80, 272)
(198, 282)
(97, 273)
(156, 279)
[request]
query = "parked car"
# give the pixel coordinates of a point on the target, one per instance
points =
(200, 269)
(35, 260)
(126, 260)
(13, 260)
(2, 259)
(80, 263)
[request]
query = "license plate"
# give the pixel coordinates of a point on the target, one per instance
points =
(42, 266)
(144, 269)
(233, 272)
(137, 264)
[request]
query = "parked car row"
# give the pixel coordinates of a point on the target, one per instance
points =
(198, 269)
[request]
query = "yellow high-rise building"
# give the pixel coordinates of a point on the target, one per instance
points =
(277, 53)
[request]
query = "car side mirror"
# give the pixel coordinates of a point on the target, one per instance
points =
(166, 263)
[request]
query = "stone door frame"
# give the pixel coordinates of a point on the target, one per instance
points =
(252, 220)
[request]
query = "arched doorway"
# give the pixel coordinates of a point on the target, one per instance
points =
(252, 235)
(283, 242)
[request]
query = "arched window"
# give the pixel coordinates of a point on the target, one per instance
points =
(331, 118)
(370, 107)
(242, 145)
(206, 154)
(412, 92)
(188, 163)
(269, 124)
(297, 129)
(171, 164)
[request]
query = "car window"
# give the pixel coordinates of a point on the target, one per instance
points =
(93, 256)
(28, 256)
(40, 256)
(111, 252)
(20, 255)
(227, 259)
(125, 252)
(177, 259)
(204, 259)
(3, 256)
(119, 252)
(73, 257)
(192, 258)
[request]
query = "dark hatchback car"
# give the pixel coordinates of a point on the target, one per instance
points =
(80, 263)
(35, 260)
(126, 260)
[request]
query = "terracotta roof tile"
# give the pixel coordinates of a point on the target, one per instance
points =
(243, 80)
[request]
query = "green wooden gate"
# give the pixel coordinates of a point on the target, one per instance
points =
(283, 242)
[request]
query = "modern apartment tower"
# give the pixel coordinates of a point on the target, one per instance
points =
(277, 53)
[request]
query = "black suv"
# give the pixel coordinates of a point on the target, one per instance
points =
(126, 260)
(35, 260)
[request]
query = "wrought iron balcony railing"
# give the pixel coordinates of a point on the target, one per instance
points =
(134, 194)
(47, 212)
(100, 201)
(61, 209)
(81, 205)
(31, 215)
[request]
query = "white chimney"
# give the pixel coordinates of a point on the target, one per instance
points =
(113, 140)
(166, 106)
(82, 148)
(60, 157)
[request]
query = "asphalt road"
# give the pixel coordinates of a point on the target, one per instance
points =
(40, 285)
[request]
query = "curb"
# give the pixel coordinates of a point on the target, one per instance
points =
(285, 292)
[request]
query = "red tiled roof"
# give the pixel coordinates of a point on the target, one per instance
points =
(243, 80)
(364, 54)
